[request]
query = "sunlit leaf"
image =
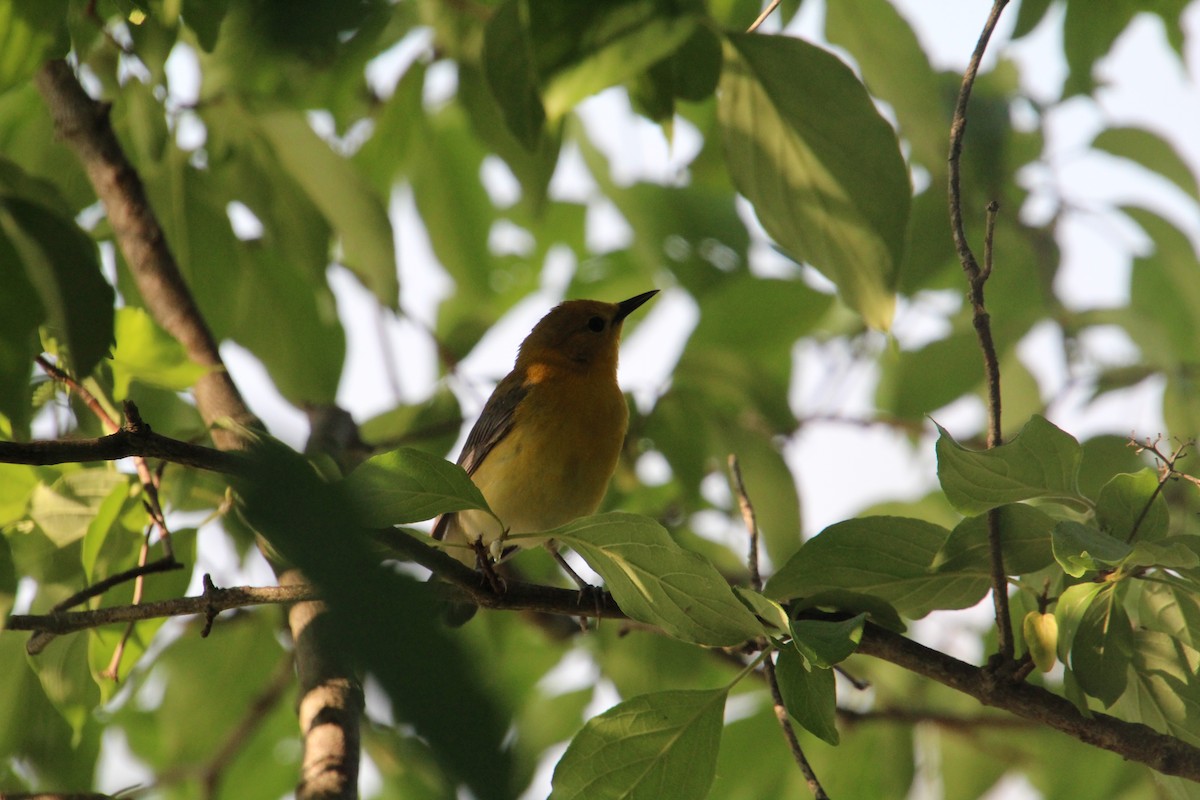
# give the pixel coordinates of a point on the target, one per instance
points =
(656, 581)
(145, 352)
(807, 147)
(409, 485)
(1102, 647)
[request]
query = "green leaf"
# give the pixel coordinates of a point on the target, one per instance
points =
(1102, 647)
(877, 610)
(97, 531)
(8, 581)
(1024, 536)
(31, 33)
(768, 611)
(145, 352)
(1041, 461)
(810, 695)
(508, 66)
(1079, 548)
(62, 266)
(660, 746)
(656, 581)
(17, 483)
(1151, 151)
(409, 485)
(344, 198)
(824, 644)
(65, 510)
(1131, 506)
(1163, 691)
(581, 49)
(806, 146)
(896, 69)
(889, 558)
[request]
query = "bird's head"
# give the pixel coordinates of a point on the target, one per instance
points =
(580, 334)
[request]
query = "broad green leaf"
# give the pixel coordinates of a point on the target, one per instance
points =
(63, 268)
(580, 50)
(8, 581)
(1151, 151)
(432, 426)
(20, 314)
(904, 388)
(1072, 604)
(1132, 508)
(879, 611)
(1165, 297)
(508, 65)
(409, 485)
(806, 146)
(810, 695)
(1089, 32)
(343, 196)
(1102, 647)
(1171, 552)
(1079, 548)
(97, 530)
(1041, 462)
(1169, 608)
(1163, 691)
(896, 69)
(889, 558)
(63, 671)
(824, 644)
(656, 581)
(660, 746)
(145, 352)
(1041, 638)
(17, 483)
(65, 509)
(31, 33)
(1025, 541)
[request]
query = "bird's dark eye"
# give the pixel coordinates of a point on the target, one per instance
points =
(596, 324)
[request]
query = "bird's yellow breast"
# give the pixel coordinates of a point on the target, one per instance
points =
(555, 464)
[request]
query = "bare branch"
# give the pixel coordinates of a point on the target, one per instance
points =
(976, 278)
(216, 601)
(127, 442)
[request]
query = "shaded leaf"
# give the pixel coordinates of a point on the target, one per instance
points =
(1151, 151)
(653, 746)
(809, 694)
(1079, 548)
(824, 644)
(1102, 647)
(1042, 461)
(1131, 506)
(1025, 536)
(889, 558)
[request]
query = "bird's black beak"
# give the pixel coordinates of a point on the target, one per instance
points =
(627, 307)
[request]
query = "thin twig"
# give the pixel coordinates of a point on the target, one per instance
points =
(976, 278)
(1167, 471)
(774, 4)
(781, 712)
(750, 520)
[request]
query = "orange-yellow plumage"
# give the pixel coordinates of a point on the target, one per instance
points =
(548, 439)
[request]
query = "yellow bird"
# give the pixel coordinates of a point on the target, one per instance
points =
(547, 442)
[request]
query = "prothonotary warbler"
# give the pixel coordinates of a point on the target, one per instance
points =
(547, 442)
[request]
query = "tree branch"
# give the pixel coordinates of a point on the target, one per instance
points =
(976, 278)
(127, 442)
(211, 602)
(1130, 740)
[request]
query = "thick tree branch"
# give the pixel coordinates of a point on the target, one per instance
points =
(1130, 740)
(976, 278)
(127, 442)
(84, 124)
